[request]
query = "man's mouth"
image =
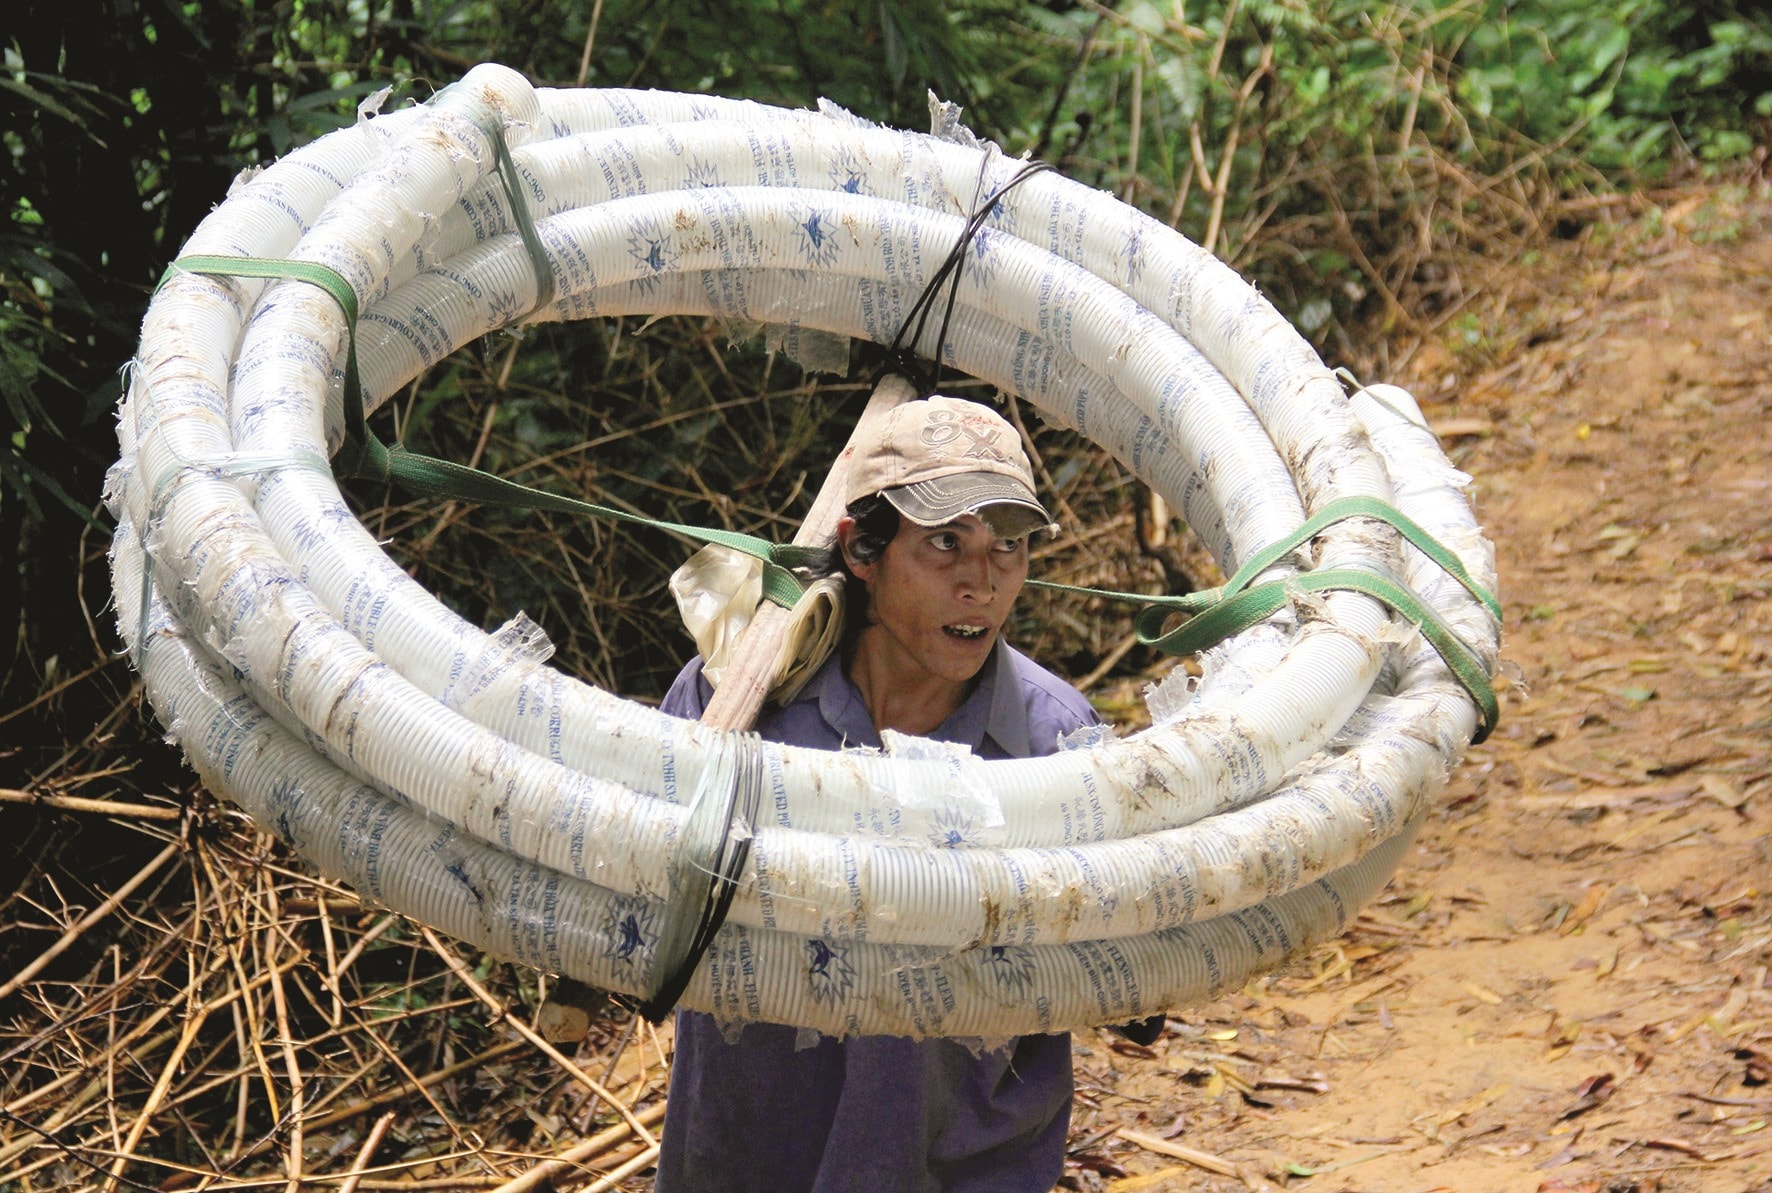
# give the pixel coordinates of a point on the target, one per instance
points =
(966, 631)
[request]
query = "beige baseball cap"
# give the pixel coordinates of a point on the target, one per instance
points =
(936, 459)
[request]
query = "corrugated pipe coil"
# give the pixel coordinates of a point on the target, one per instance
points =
(453, 776)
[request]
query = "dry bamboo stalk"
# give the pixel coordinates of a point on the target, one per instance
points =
(57, 690)
(607, 1163)
(286, 1042)
(1108, 662)
(363, 942)
(243, 1097)
(232, 908)
(639, 1163)
(411, 1085)
(192, 1026)
(366, 1067)
(1221, 185)
(393, 1057)
(1178, 1151)
(751, 671)
(579, 1154)
(441, 1182)
(1060, 501)
(366, 1152)
(116, 1130)
(104, 807)
(86, 921)
(331, 977)
(529, 1033)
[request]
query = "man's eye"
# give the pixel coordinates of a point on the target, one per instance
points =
(1008, 545)
(944, 542)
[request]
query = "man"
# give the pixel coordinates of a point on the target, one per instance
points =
(934, 546)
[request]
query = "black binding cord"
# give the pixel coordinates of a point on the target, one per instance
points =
(899, 358)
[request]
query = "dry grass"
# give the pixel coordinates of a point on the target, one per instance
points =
(223, 1020)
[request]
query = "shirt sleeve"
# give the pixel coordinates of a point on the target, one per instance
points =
(689, 693)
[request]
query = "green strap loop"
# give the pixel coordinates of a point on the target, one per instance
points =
(1362, 507)
(1336, 511)
(315, 274)
(1217, 613)
(1253, 605)
(432, 477)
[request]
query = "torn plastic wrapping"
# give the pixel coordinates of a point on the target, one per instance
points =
(718, 590)
(508, 656)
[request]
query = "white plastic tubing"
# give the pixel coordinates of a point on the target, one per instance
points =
(450, 774)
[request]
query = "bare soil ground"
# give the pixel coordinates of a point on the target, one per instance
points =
(1565, 987)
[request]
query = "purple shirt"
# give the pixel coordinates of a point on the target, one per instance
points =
(875, 1114)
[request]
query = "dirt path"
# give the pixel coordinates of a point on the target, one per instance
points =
(1566, 986)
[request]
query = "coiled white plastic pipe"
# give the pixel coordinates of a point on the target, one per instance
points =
(452, 775)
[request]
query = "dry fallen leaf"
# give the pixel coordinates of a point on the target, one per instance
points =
(1590, 903)
(1563, 1040)
(1130, 1048)
(1096, 1162)
(1676, 1145)
(1179, 1151)
(1471, 1105)
(1483, 993)
(1589, 1094)
(1148, 1180)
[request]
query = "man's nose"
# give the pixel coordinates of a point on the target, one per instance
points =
(975, 578)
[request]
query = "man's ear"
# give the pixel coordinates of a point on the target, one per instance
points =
(845, 538)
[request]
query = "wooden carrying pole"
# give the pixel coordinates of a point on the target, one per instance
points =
(750, 672)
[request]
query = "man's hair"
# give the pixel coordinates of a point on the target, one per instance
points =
(876, 525)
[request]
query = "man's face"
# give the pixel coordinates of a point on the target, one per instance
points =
(940, 595)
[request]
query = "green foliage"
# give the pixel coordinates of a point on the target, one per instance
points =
(1331, 148)
(1625, 76)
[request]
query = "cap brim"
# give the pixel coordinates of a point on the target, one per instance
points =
(1004, 503)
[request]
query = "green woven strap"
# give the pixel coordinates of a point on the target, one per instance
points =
(431, 477)
(1361, 507)
(315, 274)
(1253, 605)
(362, 456)
(538, 257)
(1217, 613)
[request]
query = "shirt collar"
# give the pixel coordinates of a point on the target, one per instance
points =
(994, 710)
